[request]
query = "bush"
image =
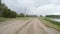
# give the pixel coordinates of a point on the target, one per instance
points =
(21, 15)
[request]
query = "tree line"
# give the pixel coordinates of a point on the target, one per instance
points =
(26, 15)
(53, 16)
(8, 13)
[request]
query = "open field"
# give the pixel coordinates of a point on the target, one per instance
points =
(50, 23)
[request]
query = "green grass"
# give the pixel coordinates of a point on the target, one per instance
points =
(18, 18)
(50, 23)
(23, 18)
(3, 19)
(54, 22)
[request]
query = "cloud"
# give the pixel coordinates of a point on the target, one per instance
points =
(36, 7)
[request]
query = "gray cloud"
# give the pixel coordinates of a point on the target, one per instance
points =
(38, 7)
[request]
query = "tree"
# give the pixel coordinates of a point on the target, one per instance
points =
(13, 14)
(2, 5)
(53, 16)
(22, 15)
(0, 2)
(0, 8)
(41, 15)
(8, 13)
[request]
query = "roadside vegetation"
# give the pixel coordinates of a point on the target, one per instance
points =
(53, 16)
(3, 19)
(23, 18)
(7, 14)
(50, 23)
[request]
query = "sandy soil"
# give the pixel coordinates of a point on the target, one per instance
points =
(33, 26)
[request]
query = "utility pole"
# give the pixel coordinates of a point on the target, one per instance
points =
(25, 11)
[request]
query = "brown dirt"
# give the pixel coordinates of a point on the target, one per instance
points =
(33, 26)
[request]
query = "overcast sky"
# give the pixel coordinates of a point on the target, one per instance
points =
(38, 7)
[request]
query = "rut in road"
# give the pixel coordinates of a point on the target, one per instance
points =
(33, 26)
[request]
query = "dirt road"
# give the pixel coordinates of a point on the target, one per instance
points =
(33, 26)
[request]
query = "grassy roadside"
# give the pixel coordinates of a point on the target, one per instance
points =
(23, 18)
(49, 23)
(2, 19)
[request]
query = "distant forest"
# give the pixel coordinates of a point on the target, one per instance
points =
(53, 16)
